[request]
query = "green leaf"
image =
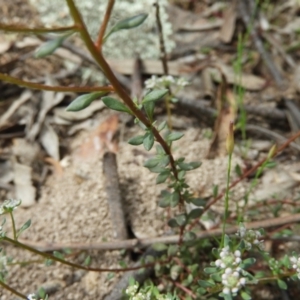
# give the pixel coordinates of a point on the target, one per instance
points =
(201, 291)
(199, 202)
(181, 174)
(189, 166)
(172, 250)
(24, 227)
(162, 177)
(159, 247)
(154, 95)
(181, 219)
(248, 262)
(281, 284)
(174, 199)
(162, 126)
(160, 150)
(165, 160)
(114, 104)
(127, 23)
(238, 170)
(173, 223)
(206, 284)
(215, 190)
(87, 261)
(195, 213)
(210, 270)
(189, 236)
(83, 101)
(137, 140)
(165, 199)
(148, 141)
(157, 169)
(174, 136)
(149, 109)
(58, 255)
(152, 162)
(245, 296)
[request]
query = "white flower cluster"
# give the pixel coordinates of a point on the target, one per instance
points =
(31, 297)
(250, 237)
(295, 261)
(9, 205)
(230, 262)
(165, 81)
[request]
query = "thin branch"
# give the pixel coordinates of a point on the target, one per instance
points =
(38, 86)
(103, 26)
(245, 175)
(163, 53)
(70, 264)
(117, 86)
(36, 30)
(12, 290)
(172, 239)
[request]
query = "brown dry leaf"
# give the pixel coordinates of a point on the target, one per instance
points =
(226, 115)
(248, 81)
(185, 20)
(228, 27)
(58, 169)
(24, 189)
(101, 139)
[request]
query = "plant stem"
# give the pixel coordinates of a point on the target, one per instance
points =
(19, 28)
(38, 86)
(163, 57)
(12, 290)
(226, 198)
(103, 26)
(13, 225)
(70, 264)
(117, 86)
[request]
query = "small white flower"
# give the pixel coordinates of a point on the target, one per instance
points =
(31, 297)
(226, 291)
(9, 205)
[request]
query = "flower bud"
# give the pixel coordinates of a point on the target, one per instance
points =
(230, 139)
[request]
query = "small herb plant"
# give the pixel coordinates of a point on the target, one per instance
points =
(191, 268)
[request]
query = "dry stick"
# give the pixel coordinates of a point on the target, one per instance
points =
(269, 133)
(114, 199)
(172, 239)
(245, 175)
(244, 11)
(136, 79)
(104, 23)
(38, 86)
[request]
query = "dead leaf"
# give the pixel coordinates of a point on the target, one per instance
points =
(248, 81)
(25, 96)
(79, 115)
(228, 26)
(24, 189)
(26, 152)
(49, 140)
(101, 139)
(226, 115)
(49, 100)
(58, 169)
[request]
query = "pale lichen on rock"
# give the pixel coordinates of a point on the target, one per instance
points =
(124, 44)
